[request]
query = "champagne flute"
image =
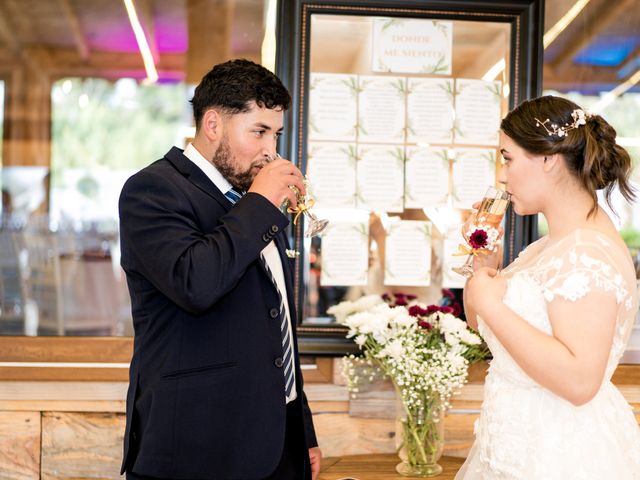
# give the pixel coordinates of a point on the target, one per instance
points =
(315, 226)
(488, 218)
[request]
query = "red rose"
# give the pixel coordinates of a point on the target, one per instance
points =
(446, 309)
(478, 239)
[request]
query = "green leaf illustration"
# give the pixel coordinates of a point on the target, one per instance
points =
(494, 88)
(448, 89)
(490, 156)
(441, 66)
(389, 22)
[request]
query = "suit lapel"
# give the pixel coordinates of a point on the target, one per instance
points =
(196, 176)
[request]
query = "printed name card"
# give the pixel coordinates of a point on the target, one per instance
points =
(474, 169)
(333, 107)
(426, 177)
(331, 172)
(477, 112)
(345, 254)
(412, 46)
(408, 254)
(430, 111)
(380, 177)
(381, 109)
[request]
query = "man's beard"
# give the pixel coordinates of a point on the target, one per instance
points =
(223, 161)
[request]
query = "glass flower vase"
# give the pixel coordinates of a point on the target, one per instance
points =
(419, 436)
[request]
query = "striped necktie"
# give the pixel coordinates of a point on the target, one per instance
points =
(233, 196)
(285, 335)
(285, 326)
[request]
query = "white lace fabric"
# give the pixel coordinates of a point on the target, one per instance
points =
(527, 432)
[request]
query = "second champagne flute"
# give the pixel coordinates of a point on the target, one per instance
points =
(315, 225)
(482, 237)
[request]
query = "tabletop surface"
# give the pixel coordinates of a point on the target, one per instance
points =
(377, 467)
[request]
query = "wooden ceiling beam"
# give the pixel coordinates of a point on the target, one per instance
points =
(583, 37)
(209, 25)
(7, 35)
(631, 59)
(488, 58)
(76, 29)
(576, 76)
(66, 62)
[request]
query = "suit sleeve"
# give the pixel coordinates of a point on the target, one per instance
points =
(161, 237)
(309, 430)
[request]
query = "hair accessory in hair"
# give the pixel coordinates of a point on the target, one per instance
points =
(579, 118)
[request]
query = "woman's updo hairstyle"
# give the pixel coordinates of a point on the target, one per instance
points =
(549, 125)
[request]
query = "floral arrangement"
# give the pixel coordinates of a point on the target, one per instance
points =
(424, 350)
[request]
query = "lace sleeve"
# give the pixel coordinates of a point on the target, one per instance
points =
(580, 268)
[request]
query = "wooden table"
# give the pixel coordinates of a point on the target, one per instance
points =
(377, 467)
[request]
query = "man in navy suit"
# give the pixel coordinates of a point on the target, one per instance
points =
(215, 389)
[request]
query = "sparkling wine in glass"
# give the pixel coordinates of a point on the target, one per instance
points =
(315, 226)
(492, 209)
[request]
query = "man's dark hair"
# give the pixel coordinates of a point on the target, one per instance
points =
(233, 85)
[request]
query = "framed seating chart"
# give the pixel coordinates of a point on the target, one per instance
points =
(395, 121)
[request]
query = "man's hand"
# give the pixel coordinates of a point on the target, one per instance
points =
(315, 455)
(274, 179)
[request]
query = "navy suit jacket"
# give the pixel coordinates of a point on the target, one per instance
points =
(206, 393)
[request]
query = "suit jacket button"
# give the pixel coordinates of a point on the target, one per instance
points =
(274, 229)
(278, 362)
(273, 312)
(266, 238)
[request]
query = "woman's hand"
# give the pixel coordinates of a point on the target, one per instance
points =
(484, 290)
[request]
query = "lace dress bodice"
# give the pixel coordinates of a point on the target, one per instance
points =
(526, 431)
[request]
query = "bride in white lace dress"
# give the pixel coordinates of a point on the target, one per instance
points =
(558, 318)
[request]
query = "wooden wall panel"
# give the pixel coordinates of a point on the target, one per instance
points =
(81, 445)
(19, 445)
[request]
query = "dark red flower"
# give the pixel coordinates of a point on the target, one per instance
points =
(399, 295)
(448, 293)
(478, 239)
(425, 325)
(432, 309)
(446, 309)
(410, 297)
(457, 310)
(417, 311)
(401, 302)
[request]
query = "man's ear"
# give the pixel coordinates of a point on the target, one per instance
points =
(212, 125)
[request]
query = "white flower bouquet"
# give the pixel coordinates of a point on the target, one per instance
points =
(424, 350)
